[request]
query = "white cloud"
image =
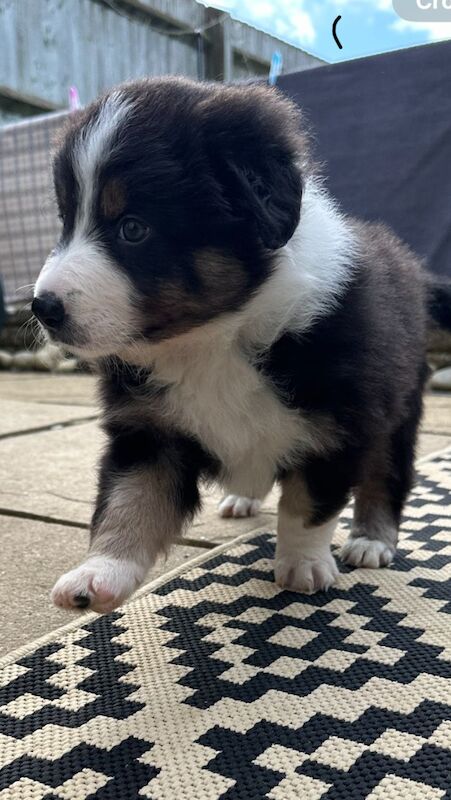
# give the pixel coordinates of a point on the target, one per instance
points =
(436, 31)
(265, 8)
(371, 5)
(285, 18)
(225, 5)
(301, 21)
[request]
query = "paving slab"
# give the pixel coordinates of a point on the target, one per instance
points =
(53, 472)
(17, 417)
(437, 413)
(429, 443)
(75, 390)
(54, 475)
(34, 555)
(210, 526)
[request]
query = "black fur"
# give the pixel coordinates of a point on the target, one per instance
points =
(439, 302)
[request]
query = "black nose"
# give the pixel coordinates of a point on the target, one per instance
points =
(49, 310)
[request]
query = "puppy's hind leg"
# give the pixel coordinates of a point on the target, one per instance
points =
(374, 534)
(234, 505)
(308, 513)
(380, 498)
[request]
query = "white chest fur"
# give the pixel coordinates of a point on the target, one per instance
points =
(215, 394)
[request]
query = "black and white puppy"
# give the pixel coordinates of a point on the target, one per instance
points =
(243, 328)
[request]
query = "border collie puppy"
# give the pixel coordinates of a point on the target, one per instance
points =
(243, 328)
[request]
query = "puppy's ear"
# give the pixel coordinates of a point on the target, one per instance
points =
(255, 148)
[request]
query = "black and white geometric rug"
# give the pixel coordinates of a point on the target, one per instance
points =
(217, 684)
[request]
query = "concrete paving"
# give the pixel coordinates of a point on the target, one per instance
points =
(437, 413)
(54, 471)
(75, 390)
(49, 447)
(18, 417)
(34, 555)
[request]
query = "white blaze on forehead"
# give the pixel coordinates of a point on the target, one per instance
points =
(92, 149)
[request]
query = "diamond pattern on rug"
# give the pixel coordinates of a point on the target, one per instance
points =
(217, 684)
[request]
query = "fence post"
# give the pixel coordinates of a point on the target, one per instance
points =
(218, 47)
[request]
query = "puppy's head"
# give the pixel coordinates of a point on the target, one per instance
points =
(172, 195)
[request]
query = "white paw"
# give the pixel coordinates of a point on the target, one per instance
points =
(101, 583)
(364, 552)
(306, 575)
(235, 506)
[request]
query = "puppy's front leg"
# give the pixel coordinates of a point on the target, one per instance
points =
(307, 517)
(147, 492)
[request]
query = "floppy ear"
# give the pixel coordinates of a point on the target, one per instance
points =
(253, 143)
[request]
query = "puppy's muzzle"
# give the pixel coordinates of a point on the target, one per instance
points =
(49, 310)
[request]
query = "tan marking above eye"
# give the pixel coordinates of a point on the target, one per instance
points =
(113, 199)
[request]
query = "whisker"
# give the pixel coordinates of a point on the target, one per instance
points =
(25, 286)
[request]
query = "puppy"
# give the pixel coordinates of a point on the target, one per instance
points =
(243, 329)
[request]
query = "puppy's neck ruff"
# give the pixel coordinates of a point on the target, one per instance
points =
(310, 274)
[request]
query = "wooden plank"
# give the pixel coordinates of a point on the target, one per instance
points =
(39, 103)
(179, 13)
(46, 48)
(260, 46)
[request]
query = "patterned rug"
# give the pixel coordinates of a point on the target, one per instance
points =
(216, 684)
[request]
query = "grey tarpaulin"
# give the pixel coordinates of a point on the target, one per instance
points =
(382, 128)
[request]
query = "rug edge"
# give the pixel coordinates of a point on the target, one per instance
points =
(84, 619)
(87, 617)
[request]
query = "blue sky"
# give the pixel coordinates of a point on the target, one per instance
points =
(366, 27)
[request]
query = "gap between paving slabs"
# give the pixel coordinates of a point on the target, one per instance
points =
(7, 512)
(428, 443)
(53, 426)
(67, 494)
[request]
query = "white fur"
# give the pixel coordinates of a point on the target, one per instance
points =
(95, 293)
(364, 552)
(235, 506)
(304, 562)
(92, 149)
(104, 580)
(312, 271)
(214, 391)
(215, 394)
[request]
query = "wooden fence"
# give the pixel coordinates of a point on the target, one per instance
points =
(49, 45)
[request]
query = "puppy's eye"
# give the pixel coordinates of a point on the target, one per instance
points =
(133, 231)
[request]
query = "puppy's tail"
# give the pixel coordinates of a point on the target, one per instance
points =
(439, 302)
